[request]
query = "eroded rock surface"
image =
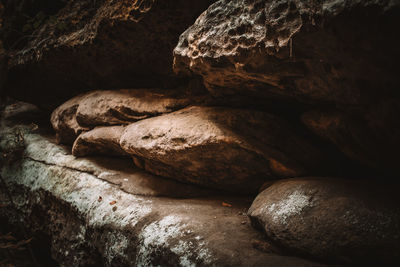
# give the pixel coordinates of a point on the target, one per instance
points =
(99, 141)
(312, 51)
(350, 222)
(230, 149)
(118, 44)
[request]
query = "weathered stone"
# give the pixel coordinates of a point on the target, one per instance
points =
(312, 51)
(345, 221)
(127, 105)
(63, 120)
(99, 141)
(118, 44)
(371, 138)
(67, 200)
(230, 149)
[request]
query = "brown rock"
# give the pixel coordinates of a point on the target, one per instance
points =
(99, 141)
(370, 138)
(312, 51)
(124, 106)
(118, 44)
(63, 120)
(229, 149)
(350, 222)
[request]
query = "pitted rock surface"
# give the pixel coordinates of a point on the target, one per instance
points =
(311, 51)
(229, 149)
(350, 222)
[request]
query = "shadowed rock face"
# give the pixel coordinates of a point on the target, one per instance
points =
(100, 44)
(370, 138)
(332, 219)
(318, 52)
(230, 149)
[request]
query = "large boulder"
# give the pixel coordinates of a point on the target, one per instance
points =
(349, 222)
(228, 149)
(84, 44)
(337, 51)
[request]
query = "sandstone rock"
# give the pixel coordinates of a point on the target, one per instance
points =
(118, 44)
(371, 138)
(312, 51)
(349, 222)
(230, 149)
(99, 141)
(63, 120)
(127, 105)
(64, 203)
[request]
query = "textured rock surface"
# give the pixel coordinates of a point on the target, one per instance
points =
(371, 138)
(230, 149)
(124, 106)
(346, 221)
(99, 141)
(63, 120)
(312, 51)
(118, 44)
(90, 216)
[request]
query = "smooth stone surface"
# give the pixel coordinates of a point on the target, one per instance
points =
(127, 105)
(99, 141)
(350, 222)
(229, 149)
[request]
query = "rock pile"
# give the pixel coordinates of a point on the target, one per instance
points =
(296, 93)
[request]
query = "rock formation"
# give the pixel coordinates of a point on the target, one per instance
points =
(157, 153)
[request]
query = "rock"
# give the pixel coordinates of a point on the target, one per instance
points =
(349, 222)
(63, 120)
(370, 138)
(127, 105)
(64, 203)
(317, 52)
(113, 107)
(229, 149)
(118, 44)
(99, 141)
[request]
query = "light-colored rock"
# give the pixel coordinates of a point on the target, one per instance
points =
(351, 222)
(99, 141)
(63, 120)
(310, 51)
(127, 105)
(230, 149)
